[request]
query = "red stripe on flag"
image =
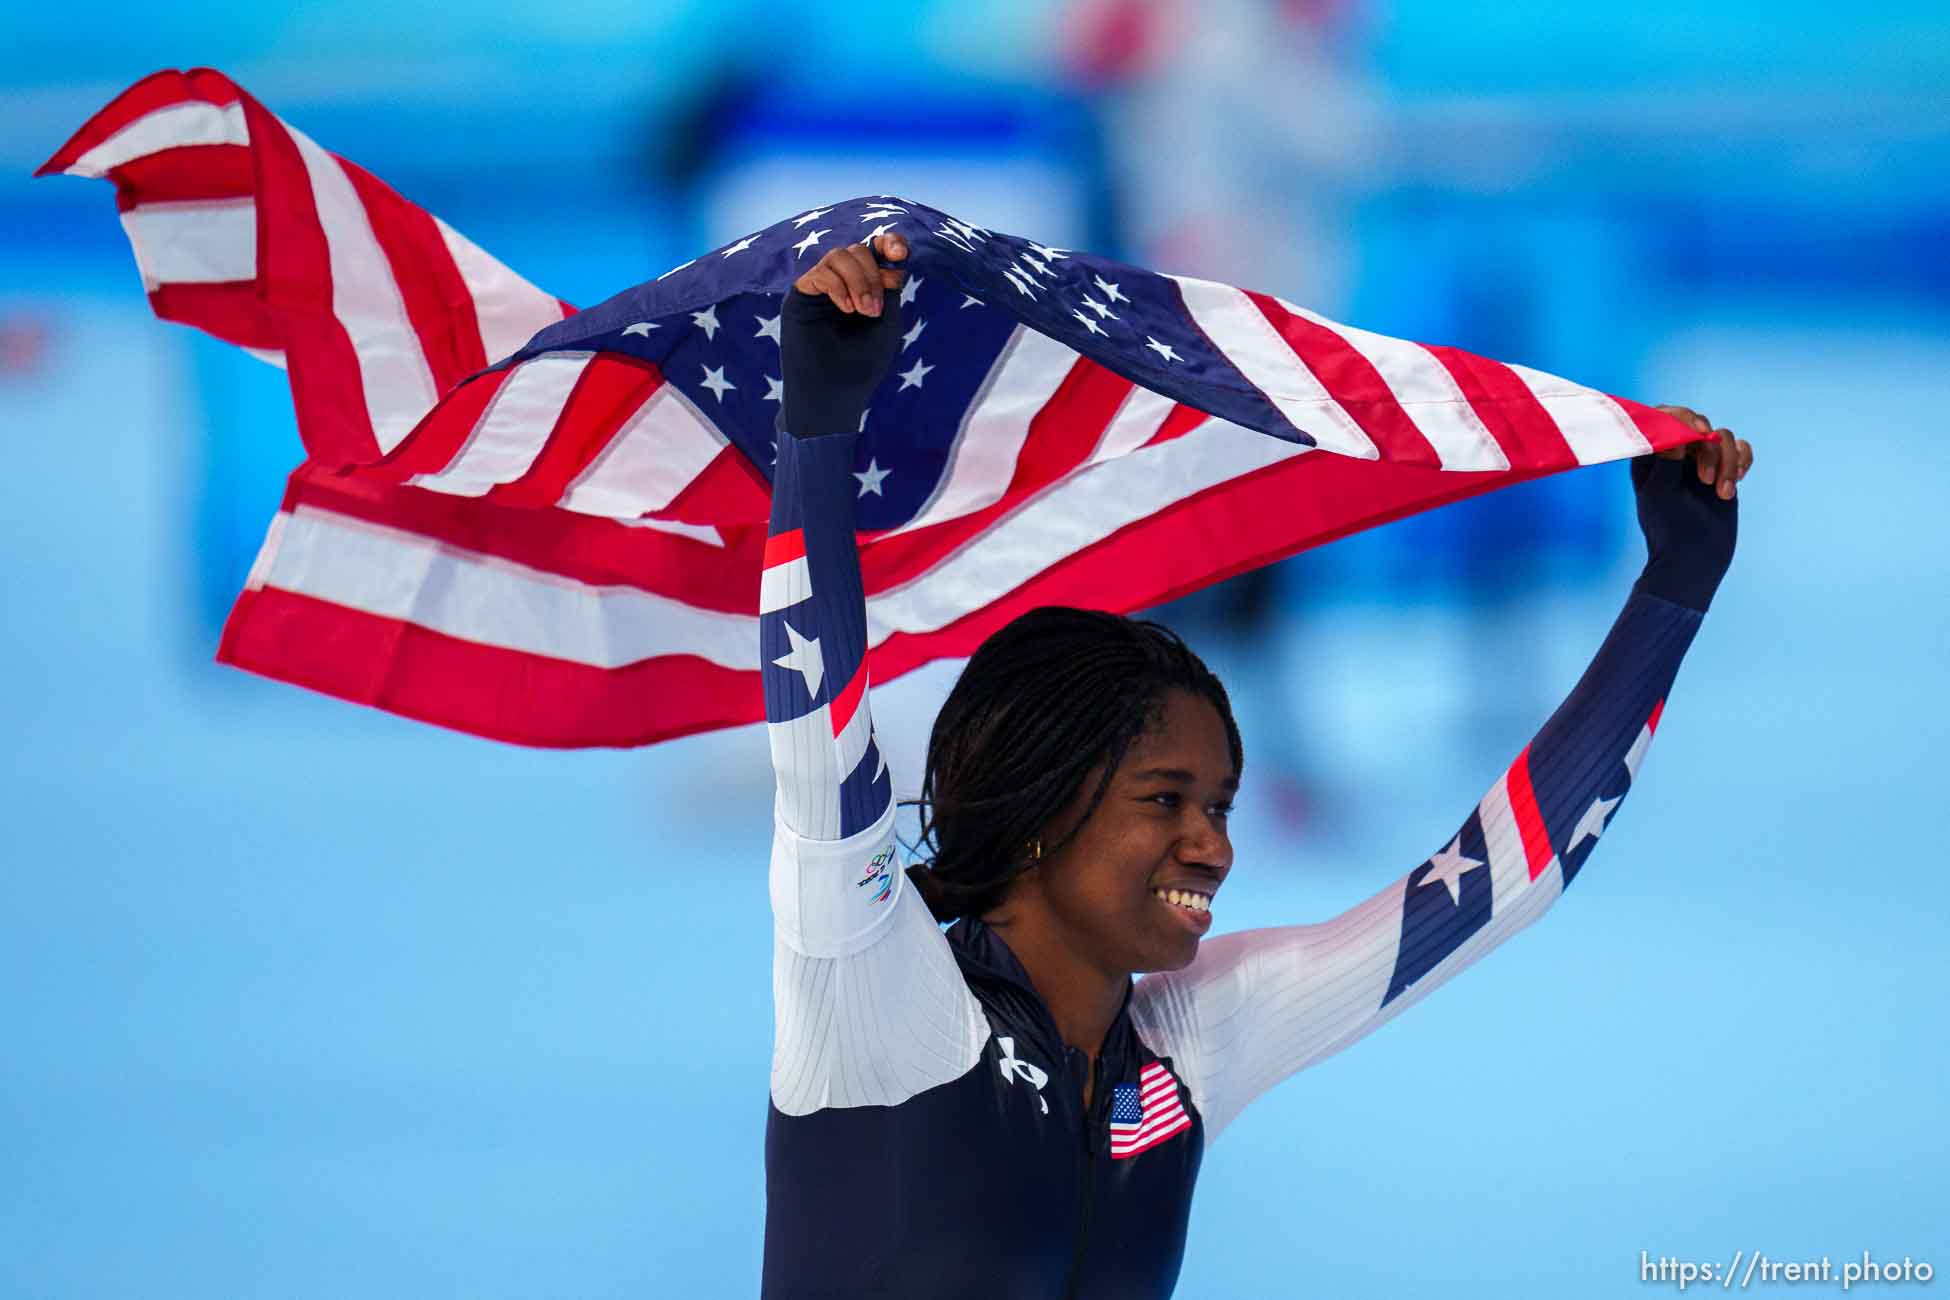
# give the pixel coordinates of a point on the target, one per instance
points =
(157, 90)
(1661, 430)
(1530, 819)
(439, 436)
(1353, 381)
(1182, 420)
(1237, 525)
(231, 311)
(726, 491)
(783, 548)
(294, 273)
(185, 173)
(484, 690)
(585, 548)
(1652, 723)
(438, 304)
(1209, 536)
(1507, 408)
(610, 389)
(847, 702)
(1061, 437)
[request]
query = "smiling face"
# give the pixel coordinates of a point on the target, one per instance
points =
(1130, 893)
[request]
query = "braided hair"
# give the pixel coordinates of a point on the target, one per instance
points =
(1045, 700)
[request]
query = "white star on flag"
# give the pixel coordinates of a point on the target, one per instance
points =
(908, 290)
(1089, 323)
(799, 223)
(707, 320)
(774, 390)
(1162, 349)
(1101, 310)
(970, 300)
(1448, 866)
(741, 245)
(907, 339)
(717, 383)
(641, 329)
(1047, 253)
(878, 231)
(801, 247)
(871, 477)
(1593, 822)
(914, 376)
(804, 658)
(768, 328)
(1019, 280)
(1108, 289)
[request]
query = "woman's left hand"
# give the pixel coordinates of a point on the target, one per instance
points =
(1723, 460)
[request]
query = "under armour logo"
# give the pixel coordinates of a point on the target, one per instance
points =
(1012, 1069)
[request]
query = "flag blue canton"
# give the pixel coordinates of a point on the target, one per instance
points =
(1125, 1107)
(712, 326)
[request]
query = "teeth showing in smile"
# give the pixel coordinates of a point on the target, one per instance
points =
(1186, 899)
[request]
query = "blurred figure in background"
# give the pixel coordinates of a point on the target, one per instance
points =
(1240, 136)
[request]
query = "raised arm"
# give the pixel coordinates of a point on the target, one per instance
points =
(870, 1008)
(1259, 1005)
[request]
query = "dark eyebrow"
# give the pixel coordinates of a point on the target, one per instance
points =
(1181, 775)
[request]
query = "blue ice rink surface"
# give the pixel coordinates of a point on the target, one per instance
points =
(299, 1000)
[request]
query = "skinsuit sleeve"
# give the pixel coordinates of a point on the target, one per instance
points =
(870, 1008)
(1259, 1005)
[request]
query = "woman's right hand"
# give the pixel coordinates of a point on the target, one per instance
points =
(851, 277)
(837, 339)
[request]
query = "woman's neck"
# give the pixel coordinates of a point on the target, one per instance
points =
(1082, 998)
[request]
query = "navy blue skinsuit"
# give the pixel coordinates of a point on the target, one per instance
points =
(1000, 1188)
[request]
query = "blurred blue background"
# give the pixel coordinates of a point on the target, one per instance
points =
(300, 1000)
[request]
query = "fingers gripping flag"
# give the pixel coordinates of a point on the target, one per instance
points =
(549, 527)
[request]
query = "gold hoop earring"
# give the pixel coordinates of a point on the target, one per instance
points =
(1036, 849)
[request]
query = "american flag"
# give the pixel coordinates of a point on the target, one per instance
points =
(548, 526)
(1145, 1113)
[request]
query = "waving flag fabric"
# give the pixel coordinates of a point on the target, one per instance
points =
(549, 527)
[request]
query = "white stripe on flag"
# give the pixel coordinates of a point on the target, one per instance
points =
(392, 369)
(402, 575)
(165, 128)
(201, 241)
(1240, 330)
(1137, 419)
(1123, 1140)
(696, 532)
(513, 429)
(652, 458)
(1427, 392)
(1072, 514)
(508, 309)
(1596, 427)
(398, 574)
(982, 462)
